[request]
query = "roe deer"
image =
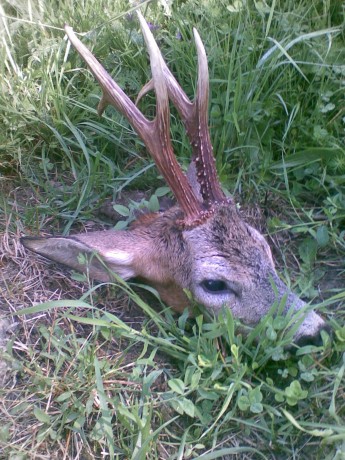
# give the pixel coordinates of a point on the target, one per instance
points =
(201, 244)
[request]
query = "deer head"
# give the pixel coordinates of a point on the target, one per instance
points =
(202, 244)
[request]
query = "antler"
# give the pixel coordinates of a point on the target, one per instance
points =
(194, 116)
(156, 133)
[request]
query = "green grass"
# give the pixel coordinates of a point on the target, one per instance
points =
(89, 381)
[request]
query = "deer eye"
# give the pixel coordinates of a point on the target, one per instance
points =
(214, 285)
(221, 287)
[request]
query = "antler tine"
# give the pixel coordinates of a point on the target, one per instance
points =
(112, 93)
(195, 119)
(201, 143)
(165, 159)
(155, 134)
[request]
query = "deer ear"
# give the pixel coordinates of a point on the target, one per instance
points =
(69, 251)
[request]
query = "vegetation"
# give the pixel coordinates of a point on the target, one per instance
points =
(96, 372)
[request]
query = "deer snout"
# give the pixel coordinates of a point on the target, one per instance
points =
(309, 332)
(315, 339)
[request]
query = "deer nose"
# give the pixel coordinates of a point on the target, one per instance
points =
(315, 339)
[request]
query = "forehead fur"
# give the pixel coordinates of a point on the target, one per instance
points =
(226, 235)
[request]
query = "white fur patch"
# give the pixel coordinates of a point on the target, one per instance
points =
(120, 262)
(119, 257)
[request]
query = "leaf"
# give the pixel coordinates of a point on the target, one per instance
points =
(322, 236)
(5, 433)
(203, 361)
(271, 333)
(177, 385)
(279, 323)
(307, 376)
(162, 191)
(327, 108)
(255, 395)
(320, 133)
(121, 225)
(315, 432)
(149, 380)
(154, 203)
(279, 397)
(41, 415)
(64, 396)
(195, 379)
(236, 6)
(294, 393)
(243, 403)
(188, 407)
(208, 395)
(340, 334)
(306, 157)
(122, 210)
(82, 277)
(307, 250)
(256, 408)
(53, 304)
(278, 354)
(235, 351)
